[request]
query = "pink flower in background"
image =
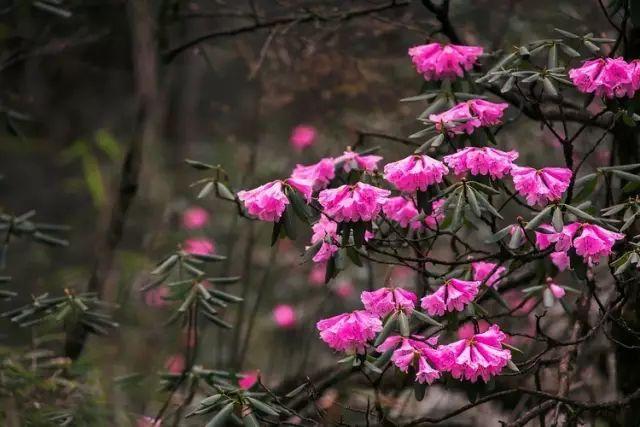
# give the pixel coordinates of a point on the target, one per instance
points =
(606, 77)
(317, 274)
(419, 353)
(468, 329)
(595, 242)
(349, 332)
(249, 379)
(344, 288)
(194, 218)
(175, 364)
(540, 186)
(266, 202)
(453, 295)
(284, 316)
(351, 160)
(302, 136)
(319, 174)
(401, 210)
(199, 246)
(385, 300)
(358, 202)
(416, 172)
(435, 61)
(481, 161)
(479, 356)
(481, 271)
(561, 260)
(156, 297)
(148, 422)
(436, 216)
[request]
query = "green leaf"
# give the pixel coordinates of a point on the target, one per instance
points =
(626, 175)
(277, 231)
(549, 87)
(384, 358)
(425, 318)
(556, 220)
(403, 322)
(296, 391)
(499, 235)
(262, 407)
(388, 327)
(473, 201)
(488, 206)
(434, 141)
(581, 214)
(569, 51)
(220, 419)
(512, 366)
(165, 265)
(419, 390)
(298, 204)
(516, 238)
(198, 165)
(206, 190)
(552, 57)
(224, 192)
(250, 420)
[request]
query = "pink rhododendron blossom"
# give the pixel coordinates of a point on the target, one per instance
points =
(557, 291)
(416, 172)
(157, 297)
(606, 77)
(479, 356)
(319, 174)
(540, 186)
(349, 332)
(175, 364)
(468, 329)
(269, 201)
(358, 202)
(302, 136)
(199, 246)
(249, 379)
(317, 274)
(419, 353)
(194, 218)
(466, 116)
(436, 216)
(344, 288)
(561, 260)
(284, 316)
(453, 295)
(594, 242)
(436, 62)
(401, 210)
(148, 422)
(589, 240)
(324, 231)
(481, 161)
(481, 271)
(351, 160)
(385, 300)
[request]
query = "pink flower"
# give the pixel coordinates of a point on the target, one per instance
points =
(556, 290)
(481, 161)
(466, 116)
(416, 172)
(541, 185)
(401, 210)
(319, 174)
(352, 160)
(561, 260)
(358, 202)
(249, 379)
(562, 240)
(385, 300)
(284, 316)
(435, 61)
(194, 217)
(325, 230)
(419, 353)
(606, 77)
(199, 246)
(344, 288)
(302, 136)
(595, 242)
(175, 364)
(148, 422)
(268, 201)
(480, 355)
(436, 216)
(317, 274)
(481, 271)
(453, 295)
(468, 329)
(349, 332)
(156, 297)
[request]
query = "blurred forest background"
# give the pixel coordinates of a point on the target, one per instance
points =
(72, 101)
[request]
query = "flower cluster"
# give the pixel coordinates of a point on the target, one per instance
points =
(478, 355)
(607, 77)
(453, 295)
(590, 241)
(436, 62)
(358, 202)
(540, 186)
(469, 115)
(481, 161)
(416, 172)
(269, 201)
